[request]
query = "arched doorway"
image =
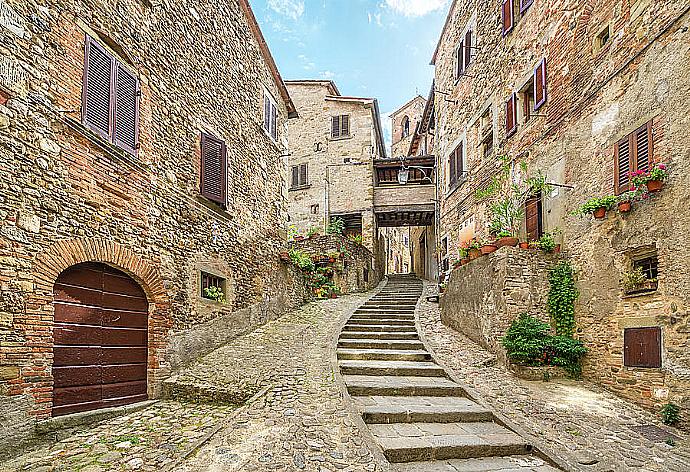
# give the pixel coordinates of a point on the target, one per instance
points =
(100, 339)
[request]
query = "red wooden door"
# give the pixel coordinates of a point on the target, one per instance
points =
(533, 217)
(100, 339)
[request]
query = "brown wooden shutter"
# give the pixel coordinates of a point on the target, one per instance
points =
(533, 217)
(642, 347)
(214, 169)
(274, 122)
(459, 167)
(622, 167)
(459, 57)
(525, 4)
(303, 174)
(511, 115)
(96, 100)
(335, 126)
(451, 168)
(267, 113)
(540, 85)
(345, 125)
(295, 176)
(507, 16)
(642, 141)
(468, 48)
(126, 125)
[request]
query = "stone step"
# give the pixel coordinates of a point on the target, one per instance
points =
(402, 386)
(381, 344)
(381, 321)
(392, 304)
(384, 410)
(381, 314)
(483, 464)
(408, 442)
(378, 328)
(384, 354)
(378, 335)
(398, 368)
(383, 311)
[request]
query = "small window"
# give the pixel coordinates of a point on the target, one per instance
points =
(540, 85)
(212, 286)
(526, 99)
(314, 209)
(507, 16)
(644, 274)
(602, 38)
(485, 132)
(299, 176)
(642, 347)
(632, 153)
(214, 169)
(340, 126)
(444, 254)
(534, 217)
(270, 116)
(511, 115)
(524, 5)
(456, 166)
(365, 275)
(463, 54)
(111, 93)
(405, 127)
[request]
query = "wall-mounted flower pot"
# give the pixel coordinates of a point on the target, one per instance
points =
(331, 260)
(655, 185)
(524, 245)
(648, 286)
(624, 207)
(557, 249)
(600, 213)
(507, 241)
(464, 261)
(299, 238)
(488, 248)
(475, 254)
(284, 256)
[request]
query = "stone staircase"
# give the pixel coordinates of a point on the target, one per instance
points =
(422, 420)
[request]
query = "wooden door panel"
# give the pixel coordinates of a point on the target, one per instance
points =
(123, 337)
(122, 285)
(125, 355)
(71, 335)
(79, 314)
(77, 376)
(123, 373)
(123, 318)
(78, 295)
(124, 389)
(76, 356)
(124, 302)
(70, 395)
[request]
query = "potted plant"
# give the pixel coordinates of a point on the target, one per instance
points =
(546, 242)
(313, 232)
(653, 178)
(636, 281)
(333, 257)
(214, 293)
(506, 238)
(463, 255)
(474, 250)
(597, 206)
(336, 226)
(524, 245)
(506, 218)
(488, 248)
(284, 256)
(355, 238)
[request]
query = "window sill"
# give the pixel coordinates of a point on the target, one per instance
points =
(210, 301)
(453, 188)
(299, 187)
(217, 208)
(341, 138)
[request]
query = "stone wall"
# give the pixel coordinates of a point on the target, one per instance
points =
(596, 95)
(484, 297)
(69, 196)
(357, 272)
(413, 110)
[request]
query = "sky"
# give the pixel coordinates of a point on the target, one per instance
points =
(370, 48)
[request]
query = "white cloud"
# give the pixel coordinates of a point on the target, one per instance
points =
(291, 8)
(307, 64)
(413, 8)
(328, 75)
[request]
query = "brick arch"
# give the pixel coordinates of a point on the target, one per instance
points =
(64, 254)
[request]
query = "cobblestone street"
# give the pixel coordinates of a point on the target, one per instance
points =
(587, 427)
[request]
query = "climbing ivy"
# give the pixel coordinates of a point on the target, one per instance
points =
(562, 296)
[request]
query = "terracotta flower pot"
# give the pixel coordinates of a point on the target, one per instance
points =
(524, 245)
(299, 238)
(464, 261)
(655, 185)
(624, 207)
(600, 213)
(507, 241)
(475, 253)
(488, 248)
(284, 256)
(315, 235)
(331, 260)
(557, 249)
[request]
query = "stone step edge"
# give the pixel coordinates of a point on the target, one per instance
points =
(175, 389)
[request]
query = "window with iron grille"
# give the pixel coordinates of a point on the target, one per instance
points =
(649, 266)
(210, 280)
(110, 97)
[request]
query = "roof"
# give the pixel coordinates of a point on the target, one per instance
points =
(265, 51)
(333, 89)
(443, 32)
(349, 99)
(418, 97)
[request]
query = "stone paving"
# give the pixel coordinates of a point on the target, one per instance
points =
(145, 440)
(587, 427)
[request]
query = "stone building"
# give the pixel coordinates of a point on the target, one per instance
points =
(580, 95)
(138, 168)
(333, 145)
(405, 121)
(398, 256)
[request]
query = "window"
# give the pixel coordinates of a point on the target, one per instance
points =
(533, 217)
(340, 126)
(314, 209)
(463, 54)
(214, 169)
(642, 347)
(455, 166)
(649, 266)
(632, 153)
(527, 101)
(110, 98)
(299, 176)
(540, 85)
(208, 281)
(524, 5)
(602, 38)
(270, 116)
(507, 17)
(511, 115)
(444, 254)
(365, 275)
(405, 127)
(486, 133)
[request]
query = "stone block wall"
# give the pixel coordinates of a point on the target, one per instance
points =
(484, 297)
(357, 272)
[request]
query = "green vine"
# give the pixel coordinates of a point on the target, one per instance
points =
(562, 296)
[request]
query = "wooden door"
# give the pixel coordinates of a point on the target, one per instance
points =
(100, 339)
(533, 217)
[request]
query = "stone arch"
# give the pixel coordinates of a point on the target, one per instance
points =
(64, 254)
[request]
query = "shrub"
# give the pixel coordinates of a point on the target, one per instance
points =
(670, 414)
(593, 204)
(302, 260)
(546, 242)
(565, 352)
(562, 296)
(525, 340)
(336, 226)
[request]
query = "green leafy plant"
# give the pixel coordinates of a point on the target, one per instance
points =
(565, 352)
(670, 414)
(538, 184)
(336, 226)
(506, 216)
(631, 196)
(641, 177)
(525, 340)
(301, 259)
(463, 253)
(313, 231)
(355, 238)
(215, 293)
(634, 279)
(561, 298)
(593, 204)
(546, 242)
